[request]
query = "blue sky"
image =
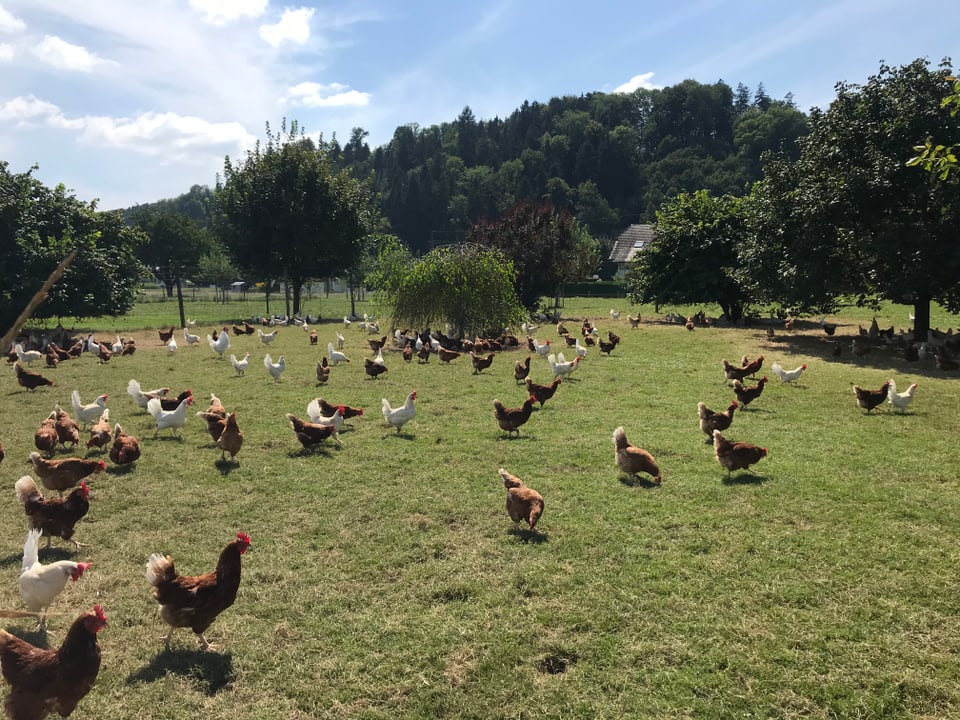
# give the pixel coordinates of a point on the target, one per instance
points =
(131, 102)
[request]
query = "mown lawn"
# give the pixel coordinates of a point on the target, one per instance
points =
(386, 581)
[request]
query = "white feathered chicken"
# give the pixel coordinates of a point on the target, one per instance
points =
(787, 376)
(240, 365)
(560, 366)
(221, 344)
(274, 368)
(190, 337)
(336, 357)
(316, 415)
(27, 356)
(87, 413)
(900, 400)
(398, 417)
(173, 419)
(267, 338)
(40, 584)
(141, 397)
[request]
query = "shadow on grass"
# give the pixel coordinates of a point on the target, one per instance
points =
(637, 481)
(400, 436)
(226, 466)
(516, 437)
(36, 637)
(744, 479)
(534, 537)
(311, 451)
(210, 671)
(120, 470)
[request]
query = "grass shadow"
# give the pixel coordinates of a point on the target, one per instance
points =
(637, 481)
(516, 437)
(400, 436)
(120, 470)
(744, 479)
(534, 537)
(36, 637)
(226, 466)
(210, 671)
(311, 451)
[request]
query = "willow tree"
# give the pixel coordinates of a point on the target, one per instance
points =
(468, 286)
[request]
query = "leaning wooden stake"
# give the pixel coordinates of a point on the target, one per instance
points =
(35, 301)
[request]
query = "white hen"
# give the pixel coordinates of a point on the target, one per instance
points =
(398, 417)
(900, 400)
(27, 356)
(336, 357)
(316, 415)
(267, 338)
(117, 347)
(190, 337)
(340, 340)
(87, 413)
(40, 584)
(560, 366)
(221, 344)
(172, 345)
(274, 368)
(140, 397)
(240, 365)
(173, 419)
(787, 376)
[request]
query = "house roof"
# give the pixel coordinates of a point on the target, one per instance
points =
(630, 241)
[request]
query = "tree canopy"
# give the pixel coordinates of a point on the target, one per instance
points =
(287, 214)
(38, 228)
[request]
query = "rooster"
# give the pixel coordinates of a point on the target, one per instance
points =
(900, 400)
(310, 434)
(870, 399)
(52, 681)
(141, 397)
(400, 416)
(634, 460)
(510, 419)
(126, 448)
(711, 420)
(221, 344)
(195, 602)
(542, 393)
(336, 357)
(90, 412)
(523, 503)
(274, 368)
(54, 517)
(240, 365)
(61, 475)
(173, 419)
(747, 395)
(735, 455)
(787, 376)
(40, 584)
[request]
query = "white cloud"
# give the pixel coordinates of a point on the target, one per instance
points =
(157, 134)
(9, 23)
(294, 25)
(65, 56)
(220, 12)
(6, 52)
(637, 81)
(311, 94)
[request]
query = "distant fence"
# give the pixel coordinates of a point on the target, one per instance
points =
(602, 289)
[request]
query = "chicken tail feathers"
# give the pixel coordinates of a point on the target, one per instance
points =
(510, 481)
(159, 568)
(154, 406)
(31, 549)
(620, 438)
(26, 489)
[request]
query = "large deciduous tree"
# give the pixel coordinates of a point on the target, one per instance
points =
(858, 219)
(541, 241)
(38, 228)
(287, 214)
(467, 285)
(693, 256)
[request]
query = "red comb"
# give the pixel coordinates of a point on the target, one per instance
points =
(83, 486)
(99, 612)
(102, 465)
(243, 537)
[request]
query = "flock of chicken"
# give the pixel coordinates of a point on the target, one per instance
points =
(56, 680)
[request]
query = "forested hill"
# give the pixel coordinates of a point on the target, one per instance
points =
(610, 158)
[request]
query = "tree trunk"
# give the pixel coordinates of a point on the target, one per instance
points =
(297, 289)
(183, 318)
(353, 301)
(266, 292)
(921, 319)
(169, 287)
(286, 296)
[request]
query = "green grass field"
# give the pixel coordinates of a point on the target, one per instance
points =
(385, 579)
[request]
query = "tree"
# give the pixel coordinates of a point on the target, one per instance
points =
(467, 285)
(887, 231)
(216, 269)
(287, 214)
(38, 228)
(940, 159)
(541, 243)
(693, 256)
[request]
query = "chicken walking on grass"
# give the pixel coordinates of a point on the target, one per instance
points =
(524, 504)
(400, 416)
(633, 460)
(735, 455)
